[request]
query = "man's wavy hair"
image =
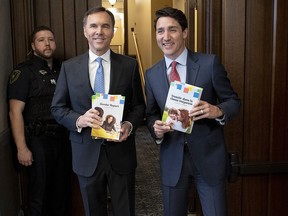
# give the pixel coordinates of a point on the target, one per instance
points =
(173, 13)
(96, 10)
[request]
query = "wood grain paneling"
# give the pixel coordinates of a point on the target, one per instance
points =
(257, 102)
(279, 148)
(81, 41)
(258, 79)
(63, 16)
(21, 28)
(69, 30)
(58, 26)
(42, 12)
(233, 52)
(280, 84)
(253, 47)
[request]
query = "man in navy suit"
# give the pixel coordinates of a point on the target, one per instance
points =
(200, 156)
(100, 163)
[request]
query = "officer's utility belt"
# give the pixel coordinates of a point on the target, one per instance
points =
(41, 128)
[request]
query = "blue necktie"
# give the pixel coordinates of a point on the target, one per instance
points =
(99, 78)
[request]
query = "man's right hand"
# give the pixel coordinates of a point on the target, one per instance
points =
(160, 128)
(90, 119)
(25, 157)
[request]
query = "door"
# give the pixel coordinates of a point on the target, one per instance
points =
(251, 38)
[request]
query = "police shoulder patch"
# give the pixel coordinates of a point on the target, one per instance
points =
(14, 76)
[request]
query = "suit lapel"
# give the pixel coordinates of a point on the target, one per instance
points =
(192, 68)
(115, 71)
(165, 83)
(84, 73)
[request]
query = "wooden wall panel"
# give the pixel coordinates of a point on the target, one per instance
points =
(42, 12)
(21, 28)
(81, 41)
(233, 52)
(56, 24)
(280, 83)
(279, 148)
(258, 79)
(257, 102)
(63, 16)
(254, 51)
(69, 30)
(93, 3)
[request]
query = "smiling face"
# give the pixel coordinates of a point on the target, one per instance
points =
(179, 116)
(99, 31)
(173, 116)
(44, 44)
(170, 37)
(110, 119)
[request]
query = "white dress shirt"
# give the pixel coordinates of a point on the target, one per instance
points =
(93, 65)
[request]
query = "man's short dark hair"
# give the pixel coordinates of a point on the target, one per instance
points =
(173, 13)
(38, 29)
(96, 10)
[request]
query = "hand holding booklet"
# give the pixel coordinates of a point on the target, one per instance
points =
(111, 109)
(180, 100)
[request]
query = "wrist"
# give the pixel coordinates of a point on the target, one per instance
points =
(22, 148)
(78, 127)
(220, 112)
(159, 136)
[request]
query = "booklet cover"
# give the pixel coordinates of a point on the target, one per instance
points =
(111, 109)
(180, 100)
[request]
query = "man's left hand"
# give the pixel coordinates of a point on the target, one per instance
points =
(203, 109)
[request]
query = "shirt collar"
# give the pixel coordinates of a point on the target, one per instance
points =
(105, 56)
(181, 59)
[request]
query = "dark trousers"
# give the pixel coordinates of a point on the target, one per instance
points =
(49, 176)
(94, 190)
(212, 197)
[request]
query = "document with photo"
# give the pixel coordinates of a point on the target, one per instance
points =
(111, 109)
(180, 99)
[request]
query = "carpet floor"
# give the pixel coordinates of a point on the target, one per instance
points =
(148, 187)
(148, 198)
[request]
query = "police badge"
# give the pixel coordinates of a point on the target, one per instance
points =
(43, 72)
(14, 76)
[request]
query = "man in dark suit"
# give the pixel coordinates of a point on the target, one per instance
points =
(200, 156)
(100, 163)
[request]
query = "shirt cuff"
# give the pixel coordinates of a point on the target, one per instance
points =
(159, 140)
(221, 121)
(78, 129)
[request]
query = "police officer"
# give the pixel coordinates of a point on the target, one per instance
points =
(42, 144)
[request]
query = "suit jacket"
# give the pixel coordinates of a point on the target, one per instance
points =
(206, 141)
(72, 98)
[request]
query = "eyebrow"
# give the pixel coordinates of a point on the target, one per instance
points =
(169, 27)
(101, 24)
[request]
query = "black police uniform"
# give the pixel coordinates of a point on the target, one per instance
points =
(49, 175)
